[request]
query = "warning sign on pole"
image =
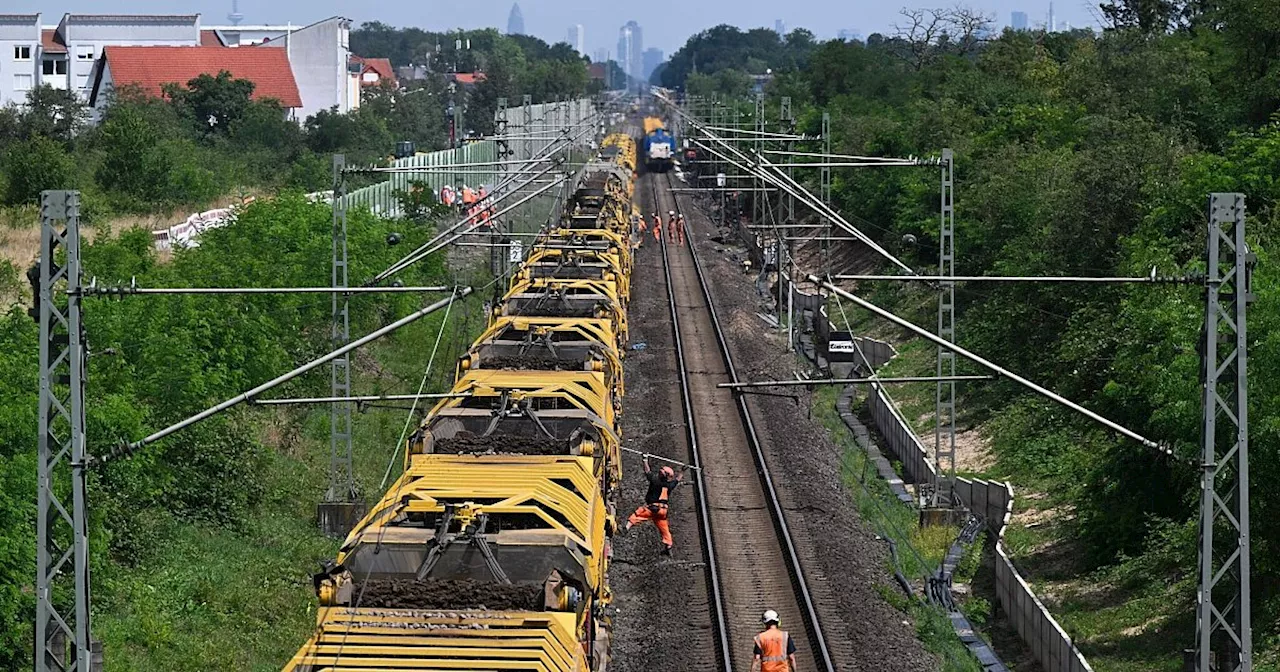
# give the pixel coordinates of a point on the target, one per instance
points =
(515, 254)
(720, 180)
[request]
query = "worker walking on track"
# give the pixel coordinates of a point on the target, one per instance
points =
(657, 501)
(678, 230)
(775, 650)
(657, 227)
(671, 225)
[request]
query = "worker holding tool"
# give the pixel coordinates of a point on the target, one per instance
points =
(775, 650)
(657, 501)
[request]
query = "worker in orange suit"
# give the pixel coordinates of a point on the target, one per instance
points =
(678, 229)
(657, 227)
(775, 651)
(671, 225)
(657, 501)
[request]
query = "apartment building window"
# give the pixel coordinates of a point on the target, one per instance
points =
(22, 82)
(84, 53)
(52, 67)
(82, 82)
(22, 53)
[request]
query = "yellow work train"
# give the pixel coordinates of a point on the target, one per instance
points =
(491, 551)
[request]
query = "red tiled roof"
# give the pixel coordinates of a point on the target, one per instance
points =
(150, 67)
(209, 38)
(51, 42)
(469, 77)
(382, 66)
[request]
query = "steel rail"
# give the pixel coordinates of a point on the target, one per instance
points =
(806, 600)
(721, 624)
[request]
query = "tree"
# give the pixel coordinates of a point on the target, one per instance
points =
(213, 103)
(58, 114)
(36, 165)
(1147, 16)
(129, 166)
(926, 34)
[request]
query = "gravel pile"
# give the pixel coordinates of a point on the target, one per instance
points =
(502, 443)
(448, 594)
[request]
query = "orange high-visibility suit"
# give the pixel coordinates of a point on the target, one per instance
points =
(657, 227)
(678, 230)
(657, 503)
(774, 649)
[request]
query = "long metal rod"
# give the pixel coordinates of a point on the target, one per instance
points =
(763, 134)
(1013, 278)
(851, 164)
(283, 378)
(852, 381)
(745, 190)
(855, 157)
(127, 290)
(925, 333)
(374, 397)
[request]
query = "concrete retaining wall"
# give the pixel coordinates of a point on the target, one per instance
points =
(992, 500)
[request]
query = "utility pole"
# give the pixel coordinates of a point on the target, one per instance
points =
(339, 510)
(498, 257)
(788, 124)
(62, 532)
(526, 105)
(944, 433)
(825, 191)
(1223, 615)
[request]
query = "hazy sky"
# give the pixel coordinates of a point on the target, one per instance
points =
(666, 23)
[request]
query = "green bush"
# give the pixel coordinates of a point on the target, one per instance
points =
(35, 165)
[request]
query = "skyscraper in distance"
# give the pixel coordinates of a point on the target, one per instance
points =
(780, 27)
(631, 50)
(578, 38)
(515, 20)
(653, 57)
(1018, 20)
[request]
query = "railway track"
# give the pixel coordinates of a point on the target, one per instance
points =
(752, 558)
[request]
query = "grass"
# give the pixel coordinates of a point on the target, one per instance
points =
(213, 598)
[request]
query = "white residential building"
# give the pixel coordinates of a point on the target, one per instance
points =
(69, 55)
(19, 56)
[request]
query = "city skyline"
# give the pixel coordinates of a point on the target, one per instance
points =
(548, 21)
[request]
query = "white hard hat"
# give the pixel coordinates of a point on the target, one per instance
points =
(671, 212)
(770, 616)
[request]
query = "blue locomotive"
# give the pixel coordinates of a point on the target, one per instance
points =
(659, 146)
